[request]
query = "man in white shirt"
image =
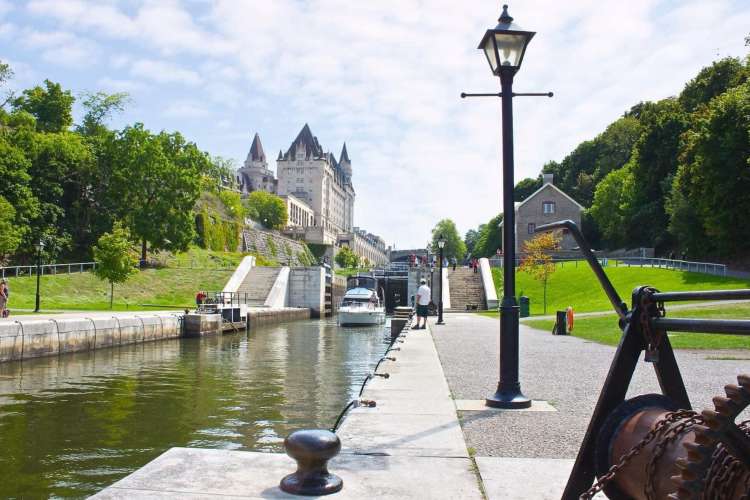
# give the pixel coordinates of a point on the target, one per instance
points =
(424, 296)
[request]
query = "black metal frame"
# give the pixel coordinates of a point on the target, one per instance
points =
(647, 310)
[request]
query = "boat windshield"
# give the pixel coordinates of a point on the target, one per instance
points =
(361, 282)
(348, 302)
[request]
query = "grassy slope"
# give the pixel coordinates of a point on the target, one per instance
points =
(166, 287)
(578, 287)
(604, 329)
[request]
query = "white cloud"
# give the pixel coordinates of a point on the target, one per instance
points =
(385, 76)
(61, 47)
(120, 85)
(164, 72)
(186, 109)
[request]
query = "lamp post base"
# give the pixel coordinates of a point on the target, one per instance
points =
(508, 399)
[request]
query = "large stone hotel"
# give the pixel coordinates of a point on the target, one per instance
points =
(318, 191)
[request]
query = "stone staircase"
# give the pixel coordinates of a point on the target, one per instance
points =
(466, 289)
(258, 282)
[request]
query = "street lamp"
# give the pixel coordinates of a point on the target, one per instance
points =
(504, 46)
(441, 245)
(39, 247)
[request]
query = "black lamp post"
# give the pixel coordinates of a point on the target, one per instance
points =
(504, 47)
(39, 248)
(441, 245)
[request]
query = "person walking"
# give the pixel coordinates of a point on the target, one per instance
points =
(454, 261)
(3, 299)
(475, 265)
(424, 295)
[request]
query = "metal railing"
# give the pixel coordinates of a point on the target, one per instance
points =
(73, 267)
(677, 265)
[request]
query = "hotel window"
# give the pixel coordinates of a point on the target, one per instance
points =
(548, 207)
(531, 227)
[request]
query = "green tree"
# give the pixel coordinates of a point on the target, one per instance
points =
(714, 173)
(271, 209)
(15, 190)
(537, 260)
(6, 74)
(115, 258)
(50, 105)
(712, 81)
(347, 258)
(490, 238)
(99, 107)
(612, 206)
(156, 182)
(10, 233)
(653, 164)
(470, 239)
(526, 188)
(454, 245)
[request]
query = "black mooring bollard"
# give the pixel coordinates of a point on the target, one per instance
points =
(312, 449)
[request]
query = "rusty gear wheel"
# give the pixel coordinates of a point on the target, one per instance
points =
(718, 438)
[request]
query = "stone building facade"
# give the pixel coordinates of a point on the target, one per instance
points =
(314, 176)
(254, 175)
(318, 191)
(547, 204)
(365, 245)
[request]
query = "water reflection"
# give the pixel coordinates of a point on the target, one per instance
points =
(72, 425)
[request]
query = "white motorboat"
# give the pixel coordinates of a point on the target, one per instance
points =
(361, 304)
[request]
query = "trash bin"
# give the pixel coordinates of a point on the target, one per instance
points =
(523, 302)
(561, 324)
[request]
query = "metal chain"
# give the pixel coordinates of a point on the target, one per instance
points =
(668, 437)
(725, 470)
(655, 432)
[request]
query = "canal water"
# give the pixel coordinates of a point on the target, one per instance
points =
(72, 425)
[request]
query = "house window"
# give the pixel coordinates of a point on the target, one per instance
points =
(548, 207)
(532, 227)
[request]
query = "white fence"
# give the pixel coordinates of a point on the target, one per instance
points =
(73, 267)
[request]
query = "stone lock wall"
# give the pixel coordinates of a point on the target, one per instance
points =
(37, 338)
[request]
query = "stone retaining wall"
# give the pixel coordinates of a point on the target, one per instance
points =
(48, 337)
(272, 246)
(276, 315)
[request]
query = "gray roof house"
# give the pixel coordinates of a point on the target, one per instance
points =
(547, 204)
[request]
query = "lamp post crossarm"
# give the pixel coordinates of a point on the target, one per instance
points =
(514, 94)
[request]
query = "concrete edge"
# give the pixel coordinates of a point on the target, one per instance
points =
(278, 295)
(239, 275)
(490, 294)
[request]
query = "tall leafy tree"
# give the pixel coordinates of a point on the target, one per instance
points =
(714, 173)
(454, 245)
(156, 180)
(50, 105)
(100, 107)
(6, 73)
(613, 205)
(490, 238)
(470, 239)
(712, 81)
(10, 232)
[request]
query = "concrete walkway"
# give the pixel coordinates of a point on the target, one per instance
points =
(409, 446)
(568, 373)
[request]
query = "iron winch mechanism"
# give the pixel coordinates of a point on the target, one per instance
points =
(655, 446)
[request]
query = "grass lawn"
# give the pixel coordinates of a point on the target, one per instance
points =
(170, 286)
(604, 329)
(577, 286)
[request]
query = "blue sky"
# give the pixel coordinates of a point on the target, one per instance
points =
(384, 76)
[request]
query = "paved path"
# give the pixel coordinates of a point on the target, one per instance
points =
(566, 371)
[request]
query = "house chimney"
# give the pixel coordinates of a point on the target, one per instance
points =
(547, 179)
